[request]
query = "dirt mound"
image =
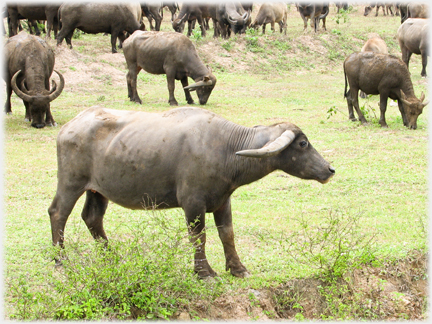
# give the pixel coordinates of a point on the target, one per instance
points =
(397, 291)
(80, 70)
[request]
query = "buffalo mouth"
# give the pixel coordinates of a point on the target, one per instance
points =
(327, 179)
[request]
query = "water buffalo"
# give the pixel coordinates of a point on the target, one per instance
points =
(383, 6)
(199, 12)
(271, 13)
(413, 38)
(186, 157)
(314, 12)
(34, 12)
(377, 45)
(29, 63)
(167, 53)
(94, 18)
(232, 17)
(417, 10)
(382, 74)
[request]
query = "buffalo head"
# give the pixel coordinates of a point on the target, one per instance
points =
(413, 108)
(296, 156)
(37, 102)
(203, 87)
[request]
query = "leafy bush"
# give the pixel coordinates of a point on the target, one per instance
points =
(146, 275)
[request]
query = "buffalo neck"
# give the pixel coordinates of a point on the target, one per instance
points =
(244, 170)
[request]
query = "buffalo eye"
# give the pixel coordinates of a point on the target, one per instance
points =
(303, 143)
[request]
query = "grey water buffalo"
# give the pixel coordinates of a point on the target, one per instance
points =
(386, 75)
(167, 53)
(271, 13)
(413, 38)
(382, 5)
(187, 158)
(232, 17)
(34, 12)
(172, 7)
(417, 10)
(29, 63)
(190, 12)
(94, 18)
(315, 12)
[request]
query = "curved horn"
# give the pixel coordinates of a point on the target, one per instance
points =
(199, 84)
(278, 145)
(422, 97)
(58, 90)
(231, 21)
(17, 90)
(246, 16)
(404, 98)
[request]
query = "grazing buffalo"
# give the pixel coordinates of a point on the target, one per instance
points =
(341, 5)
(232, 17)
(199, 12)
(387, 76)
(314, 12)
(29, 63)
(383, 6)
(94, 18)
(413, 38)
(167, 53)
(271, 13)
(34, 12)
(186, 157)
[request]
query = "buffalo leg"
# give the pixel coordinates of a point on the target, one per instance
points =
(49, 119)
(223, 220)
(202, 26)
(189, 99)
(114, 35)
(131, 79)
(28, 116)
(8, 108)
(402, 111)
(59, 211)
(171, 86)
(93, 212)
(383, 108)
(195, 217)
(424, 63)
(350, 106)
(406, 55)
(272, 24)
(355, 103)
(324, 23)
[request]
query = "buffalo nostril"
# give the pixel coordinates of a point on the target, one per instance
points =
(38, 125)
(332, 170)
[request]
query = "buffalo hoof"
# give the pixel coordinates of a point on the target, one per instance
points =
(353, 119)
(137, 100)
(173, 103)
(240, 274)
(51, 124)
(8, 112)
(206, 273)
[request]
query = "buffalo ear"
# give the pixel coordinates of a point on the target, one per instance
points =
(206, 78)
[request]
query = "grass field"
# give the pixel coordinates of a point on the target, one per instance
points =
(380, 181)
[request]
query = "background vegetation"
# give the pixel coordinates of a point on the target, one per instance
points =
(374, 211)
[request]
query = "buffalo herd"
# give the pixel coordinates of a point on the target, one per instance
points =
(189, 157)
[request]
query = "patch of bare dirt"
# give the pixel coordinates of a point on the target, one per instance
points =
(397, 291)
(81, 70)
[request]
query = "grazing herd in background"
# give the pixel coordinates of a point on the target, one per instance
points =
(175, 56)
(189, 157)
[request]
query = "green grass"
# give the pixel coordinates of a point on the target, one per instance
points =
(380, 172)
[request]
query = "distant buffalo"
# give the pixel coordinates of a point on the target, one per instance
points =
(387, 76)
(94, 18)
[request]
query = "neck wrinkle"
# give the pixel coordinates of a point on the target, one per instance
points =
(243, 170)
